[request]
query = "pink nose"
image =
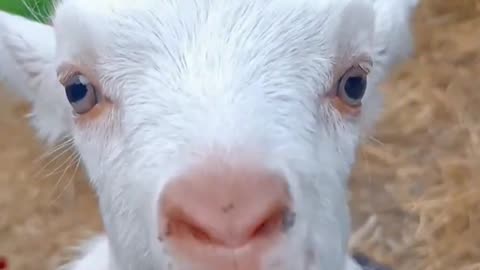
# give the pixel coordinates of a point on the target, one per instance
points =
(218, 209)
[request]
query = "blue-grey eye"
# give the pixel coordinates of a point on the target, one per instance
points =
(352, 86)
(81, 94)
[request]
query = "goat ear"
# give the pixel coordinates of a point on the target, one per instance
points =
(27, 68)
(393, 33)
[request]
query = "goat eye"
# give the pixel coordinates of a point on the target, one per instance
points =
(352, 86)
(81, 94)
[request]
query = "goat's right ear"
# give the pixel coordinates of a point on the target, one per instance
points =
(27, 68)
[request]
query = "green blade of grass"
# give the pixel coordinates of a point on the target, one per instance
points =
(39, 8)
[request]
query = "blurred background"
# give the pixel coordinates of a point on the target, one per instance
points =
(415, 190)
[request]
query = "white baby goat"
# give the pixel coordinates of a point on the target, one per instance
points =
(218, 134)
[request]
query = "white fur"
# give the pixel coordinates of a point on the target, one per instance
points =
(95, 254)
(27, 67)
(187, 77)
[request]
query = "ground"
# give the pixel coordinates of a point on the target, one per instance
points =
(417, 180)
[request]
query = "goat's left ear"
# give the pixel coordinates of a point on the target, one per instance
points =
(27, 68)
(393, 34)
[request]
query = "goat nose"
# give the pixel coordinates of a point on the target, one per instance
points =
(225, 208)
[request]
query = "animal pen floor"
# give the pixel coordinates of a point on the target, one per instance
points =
(417, 181)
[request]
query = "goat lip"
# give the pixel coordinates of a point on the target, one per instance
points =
(215, 257)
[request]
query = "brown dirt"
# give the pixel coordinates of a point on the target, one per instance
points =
(418, 176)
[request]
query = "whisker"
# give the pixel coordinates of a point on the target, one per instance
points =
(57, 148)
(69, 180)
(70, 162)
(375, 140)
(65, 150)
(70, 158)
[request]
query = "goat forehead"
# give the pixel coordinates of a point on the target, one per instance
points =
(200, 30)
(106, 6)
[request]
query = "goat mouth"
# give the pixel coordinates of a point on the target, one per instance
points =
(211, 255)
(213, 259)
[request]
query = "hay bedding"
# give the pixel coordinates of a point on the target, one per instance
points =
(426, 153)
(417, 186)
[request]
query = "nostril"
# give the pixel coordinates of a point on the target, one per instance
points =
(267, 227)
(187, 230)
(277, 222)
(200, 235)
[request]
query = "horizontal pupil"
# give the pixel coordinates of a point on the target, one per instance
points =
(76, 92)
(355, 87)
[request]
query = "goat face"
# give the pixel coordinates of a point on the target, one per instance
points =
(218, 134)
